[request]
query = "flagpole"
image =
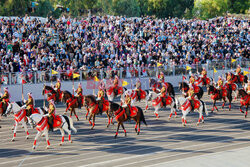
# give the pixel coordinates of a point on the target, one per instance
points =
(213, 73)
(44, 92)
(22, 92)
(94, 87)
(73, 85)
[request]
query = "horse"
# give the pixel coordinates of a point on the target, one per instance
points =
(93, 108)
(238, 80)
(110, 92)
(157, 103)
(133, 94)
(215, 96)
(71, 103)
(61, 122)
(20, 115)
(137, 116)
(185, 107)
(198, 91)
(233, 88)
(157, 85)
(52, 94)
(200, 81)
(245, 100)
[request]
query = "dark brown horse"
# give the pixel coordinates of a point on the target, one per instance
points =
(245, 100)
(184, 87)
(157, 85)
(71, 103)
(52, 94)
(241, 79)
(216, 96)
(121, 116)
(94, 108)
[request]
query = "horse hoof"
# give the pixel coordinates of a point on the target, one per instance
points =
(27, 137)
(13, 128)
(138, 133)
(92, 128)
(107, 125)
(13, 139)
(43, 135)
(183, 125)
(71, 141)
(34, 147)
(64, 113)
(60, 144)
(245, 116)
(135, 130)
(169, 118)
(125, 134)
(175, 116)
(197, 123)
(115, 136)
(47, 147)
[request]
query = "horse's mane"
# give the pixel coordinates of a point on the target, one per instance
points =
(50, 88)
(67, 92)
(243, 92)
(92, 97)
(19, 103)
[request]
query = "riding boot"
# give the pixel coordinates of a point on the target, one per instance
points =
(164, 102)
(28, 112)
(79, 102)
(139, 95)
(115, 92)
(50, 122)
(221, 94)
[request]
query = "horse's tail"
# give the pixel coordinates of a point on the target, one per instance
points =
(70, 123)
(172, 89)
(174, 102)
(147, 92)
(142, 118)
(201, 92)
(204, 108)
(245, 79)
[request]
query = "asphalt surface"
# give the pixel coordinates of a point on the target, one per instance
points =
(223, 140)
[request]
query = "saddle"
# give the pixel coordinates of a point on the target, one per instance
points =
(111, 90)
(57, 121)
(196, 89)
(233, 86)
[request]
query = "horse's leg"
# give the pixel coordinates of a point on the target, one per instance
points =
(74, 111)
(15, 129)
(69, 133)
(90, 119)
(116, 134)
(25, 129)
(36, 138)
(93, 125)
(200, 116)
(139, 129)
(62, 133)
(47, 138)
(108, 119)
(224, 101)
(213, 107)
(241, 109)
(156, 112)
(246, 111)
(124, 129)
(87, 113)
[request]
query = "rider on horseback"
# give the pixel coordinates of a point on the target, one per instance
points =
(163, 95)
(115, 85)
(248, 87)
(191, 80)
(101, 99)
(79, 95)
(128, 105)
(58, 89)
(220, 86)
(4, 100)
(161, 77)
(52, 109)
(237, 72)
(29, 105)
(229, 81)
(204, 75)
(138, 89)
(191, 96)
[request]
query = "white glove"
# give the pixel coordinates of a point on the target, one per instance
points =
(24, 106)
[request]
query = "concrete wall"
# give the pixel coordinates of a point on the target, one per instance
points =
(36, 89)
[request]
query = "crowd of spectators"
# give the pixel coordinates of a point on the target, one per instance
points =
(113, 41)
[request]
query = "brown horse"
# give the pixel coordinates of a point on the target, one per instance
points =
(157, 85)
(71, 103)
(216, 96)
(122, 116)
(245, 100)
(93, 107)
(52, 94)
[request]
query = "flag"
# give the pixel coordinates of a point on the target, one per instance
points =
(96, 79)
(233, 60)
(159, 64)
(54, 72)
(124, 83)
(188, 68)
(75, 75)
(215, 71)
(245, 72)
(183, 77)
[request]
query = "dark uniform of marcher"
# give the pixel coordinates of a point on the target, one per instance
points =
(5, 99)
(51, 116)
(29, 105)
(79, 95)
(138, 89)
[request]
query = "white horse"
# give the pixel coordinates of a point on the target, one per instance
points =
(41, 122)
(19, 114)
(133, 94)
(185, 107)
(156, 103)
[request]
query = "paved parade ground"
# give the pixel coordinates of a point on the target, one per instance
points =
(223, 140)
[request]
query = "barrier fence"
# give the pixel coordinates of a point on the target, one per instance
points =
(34, 77)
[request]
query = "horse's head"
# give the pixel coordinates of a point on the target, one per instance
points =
(211, 89)
(13, 107)
(35, 118)
(9, 109)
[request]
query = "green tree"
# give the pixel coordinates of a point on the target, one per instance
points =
(239, 6)
(126, 7)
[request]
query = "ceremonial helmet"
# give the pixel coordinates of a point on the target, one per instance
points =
(58, 80)
(30, 94)
(6, 89)
(80, 85)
